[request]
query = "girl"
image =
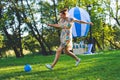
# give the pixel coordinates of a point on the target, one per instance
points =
(65, 24)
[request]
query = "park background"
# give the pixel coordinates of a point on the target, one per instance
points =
(25, 38)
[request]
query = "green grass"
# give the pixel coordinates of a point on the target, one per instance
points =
(102, 66)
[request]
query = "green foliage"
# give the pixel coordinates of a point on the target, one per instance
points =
(49, 13)
(1, 41)
(31, 44)
(116, 33)
(66, 4)
(101, 66)
(51, 37)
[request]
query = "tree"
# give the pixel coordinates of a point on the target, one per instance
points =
(8, 22)
(34, 29)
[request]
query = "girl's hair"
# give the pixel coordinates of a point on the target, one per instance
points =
(64, 11)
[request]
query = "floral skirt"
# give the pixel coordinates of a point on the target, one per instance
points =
(66, 38)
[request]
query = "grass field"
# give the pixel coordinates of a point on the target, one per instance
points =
(102, 66)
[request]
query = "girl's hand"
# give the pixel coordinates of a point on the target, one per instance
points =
(91, 23)
(49, 24)
(54, 25)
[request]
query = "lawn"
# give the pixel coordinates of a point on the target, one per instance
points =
(102, 66)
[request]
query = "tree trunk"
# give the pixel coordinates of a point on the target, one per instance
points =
(97, 43)
(49, 49)
(37, 36)
(17, 53)
(44, 52)
(9, 38)
(117, 21)
(0, 52)
(18, 33)
(13, 44)
(55, 14)
(20, 43)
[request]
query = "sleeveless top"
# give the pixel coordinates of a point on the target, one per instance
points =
(66, 32)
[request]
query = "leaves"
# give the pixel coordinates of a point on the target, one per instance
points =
(38, 13)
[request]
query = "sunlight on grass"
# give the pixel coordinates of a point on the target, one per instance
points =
(103, 66)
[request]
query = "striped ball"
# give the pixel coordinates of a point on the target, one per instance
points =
(80, 30)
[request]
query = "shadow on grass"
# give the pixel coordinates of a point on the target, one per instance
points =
(99, 71)
(43, 74)
(92, 67)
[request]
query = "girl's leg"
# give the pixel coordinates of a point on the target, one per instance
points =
(68, 52)
(58, 52)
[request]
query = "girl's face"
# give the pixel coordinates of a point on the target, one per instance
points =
(62, 15)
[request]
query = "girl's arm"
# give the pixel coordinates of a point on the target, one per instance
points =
(58, 26)
(80, 21)
(54, 25)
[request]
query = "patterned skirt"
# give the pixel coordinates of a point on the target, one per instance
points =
(66, 38)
